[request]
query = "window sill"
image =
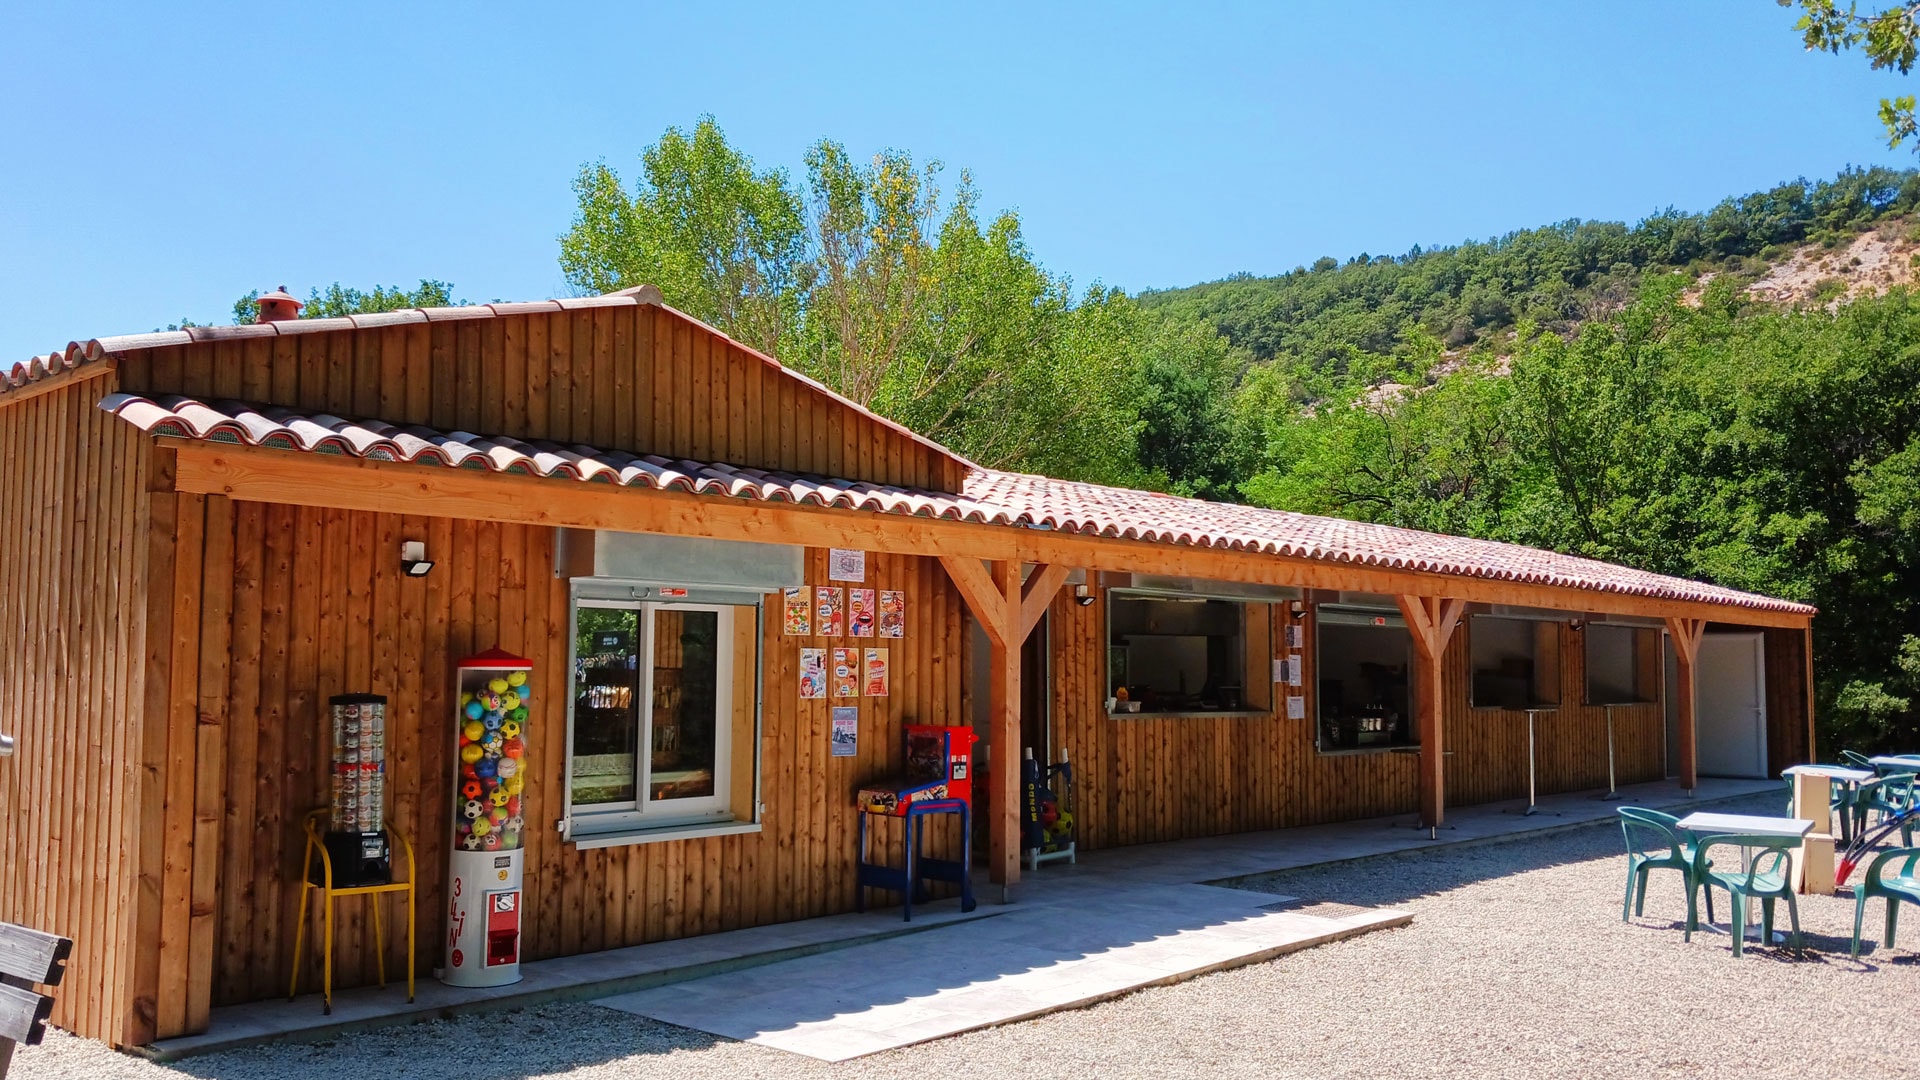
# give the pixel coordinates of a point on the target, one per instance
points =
(1190, 714)
(1358, 750)
(586, 841)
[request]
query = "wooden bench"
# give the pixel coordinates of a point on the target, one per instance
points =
(28, 959)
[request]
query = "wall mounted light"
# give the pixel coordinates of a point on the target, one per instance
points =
(413, 558)
(1083, 595)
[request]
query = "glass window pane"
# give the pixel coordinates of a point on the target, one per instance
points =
(686, 704)
(606, 706)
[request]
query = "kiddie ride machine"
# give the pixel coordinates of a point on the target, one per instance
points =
(938, 780)
(1046, 804)
(483, 916)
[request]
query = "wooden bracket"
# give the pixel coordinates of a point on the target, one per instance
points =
(1037, 594)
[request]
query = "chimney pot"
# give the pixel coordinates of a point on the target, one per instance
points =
(279, 305)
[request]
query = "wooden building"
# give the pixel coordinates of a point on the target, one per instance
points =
(201, 533)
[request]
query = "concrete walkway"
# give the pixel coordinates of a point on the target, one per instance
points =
(1118, 921)
(847, 985)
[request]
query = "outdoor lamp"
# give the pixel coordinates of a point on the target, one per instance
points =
(1083, 595)
(413, 558)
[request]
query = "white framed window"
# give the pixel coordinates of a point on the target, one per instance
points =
(662, 717)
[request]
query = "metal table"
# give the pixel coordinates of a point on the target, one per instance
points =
(1709, 824)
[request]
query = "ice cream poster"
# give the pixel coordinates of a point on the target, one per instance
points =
(799, 621)
(877, 677)
(846, 673)
(860, 604)
(830, 611)
(813, 674)
(893, 614)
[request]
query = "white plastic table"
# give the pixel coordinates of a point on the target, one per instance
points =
(1708, 824)
(1896, 762)
(1845, 773)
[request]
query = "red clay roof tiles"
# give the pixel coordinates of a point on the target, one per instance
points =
(989, 496)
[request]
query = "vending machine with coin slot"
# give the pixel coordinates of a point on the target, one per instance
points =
(489, 820)
(356, 838)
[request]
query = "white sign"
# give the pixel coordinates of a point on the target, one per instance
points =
(846, 564)
(1296, 707)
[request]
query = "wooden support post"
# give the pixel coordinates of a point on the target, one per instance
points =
(1806, 651)
(1431, 621)
(1686, 649)
(994, 595)
(1003, 694)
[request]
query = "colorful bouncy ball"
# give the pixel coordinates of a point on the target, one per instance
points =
(510, 729)
(472, 730)
(471, 753)
(498, 685)
(516, 678)
(474, 710)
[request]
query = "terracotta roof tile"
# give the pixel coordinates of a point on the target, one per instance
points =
(375, 440)
(1169, 519)
(989, 496)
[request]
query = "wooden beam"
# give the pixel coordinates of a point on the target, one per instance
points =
(1687, 634)
(1003, 704)
(1037, 595)
(1431, 621)
(1806, 650)
(978, 588)
(297, 479)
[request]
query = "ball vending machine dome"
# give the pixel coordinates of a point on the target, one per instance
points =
(489, 821)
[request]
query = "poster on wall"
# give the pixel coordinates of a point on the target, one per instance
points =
(1296, 707)
(830, 614)
(813, 674)
(846, 730)
(846, 673)
(1295, 670)
(877, 678)
(893, 613)
(1296, 637)
(799, 621)
(846, 564)
(860, 611)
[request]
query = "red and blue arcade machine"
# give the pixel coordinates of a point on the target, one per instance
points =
(938, 780)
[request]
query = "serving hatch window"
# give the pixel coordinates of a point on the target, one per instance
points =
(1623, 664)
(1514, 663)
(1183, 654)
(1362, 659)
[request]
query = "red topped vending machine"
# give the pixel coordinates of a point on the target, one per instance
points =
(489, 821)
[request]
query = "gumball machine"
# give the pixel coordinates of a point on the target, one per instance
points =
(489, 821)
(356, 839)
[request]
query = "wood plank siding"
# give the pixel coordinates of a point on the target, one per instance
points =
(331, 622)
(73, 626)
(614, 378)
(1147, 779)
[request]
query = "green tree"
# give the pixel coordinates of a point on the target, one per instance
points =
(724, 241)
(337, 300)
(1890, 38)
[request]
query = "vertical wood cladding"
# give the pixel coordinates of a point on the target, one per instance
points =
(327, 610)
(72, 623)
(637, 378)
(1146, 779)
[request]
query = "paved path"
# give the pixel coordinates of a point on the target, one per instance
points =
(1118, 921)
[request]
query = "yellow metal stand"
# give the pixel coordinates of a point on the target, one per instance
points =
(327, 893)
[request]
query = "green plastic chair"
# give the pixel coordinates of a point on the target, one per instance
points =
(1904, 886)
(1858, 761)
(1645, 829)
(1890, 795)
(1767, 878)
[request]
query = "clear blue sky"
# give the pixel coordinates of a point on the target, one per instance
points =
(158, 164)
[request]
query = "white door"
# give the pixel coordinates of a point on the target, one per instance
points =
(1731, 683)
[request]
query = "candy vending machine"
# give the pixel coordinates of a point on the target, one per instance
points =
(489, 821)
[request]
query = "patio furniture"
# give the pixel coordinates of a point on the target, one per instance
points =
(1894, 764)
(1858, 761)
(1764, 876)
(1891, 795)
(1650, 828)
(1901, 887)
(1705, 824)
(1843, 801)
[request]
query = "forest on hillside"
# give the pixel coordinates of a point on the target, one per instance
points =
(1599, 388)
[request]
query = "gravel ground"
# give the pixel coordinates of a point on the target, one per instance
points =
(1517, 964)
